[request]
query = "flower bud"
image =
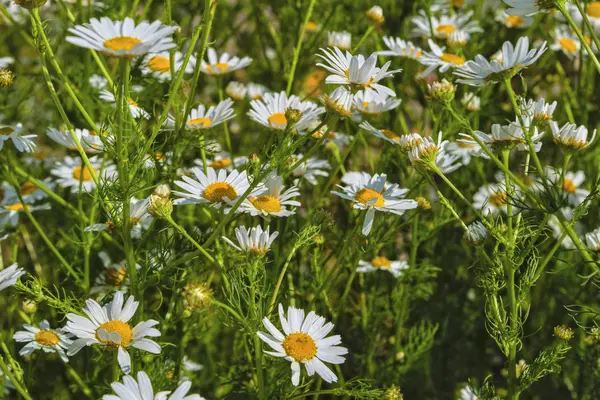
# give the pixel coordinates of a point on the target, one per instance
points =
(393, 393)
(563, 332)
(6, 77)
(442, 91)
(475, 234)
(375, 14)
(29, 306)
(423, 203)
(30, 4)
(196, 296)
(161, 205)
(292, 115)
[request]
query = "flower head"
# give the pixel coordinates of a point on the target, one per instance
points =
(10, 275)
(23, 143)
(271, 200)
(254, 240)
(400, 48)
(272, 111)
(342, 40)
(223, 64)
(571, 137)
(43, 338)
(141, 389)
(381, 263)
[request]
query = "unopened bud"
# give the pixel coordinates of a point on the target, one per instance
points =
(475, 234)
(30, 4)
(29, 306)
(442, 91)
(292, 115)
(393, 393)
(196, 296)
(563, 332)
(6, 77)
(375, 14)
(423, 203)
(161, 205)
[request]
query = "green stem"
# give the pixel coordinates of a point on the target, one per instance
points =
(181, 230)
(20, 387)
(280, 280)
(587, 23)
(290, 83)
(561, 7)
(364, 37)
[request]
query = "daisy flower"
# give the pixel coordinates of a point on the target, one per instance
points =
(135, 110)
(141, 389)
(471, 102)
(381, 263)
(444, 26)
(23, 143)
(425, 152)
(43, 338)
(513, 21)
(271, 111)
(159, 65)
(123, 38)
(539, 111)
(6, 61)
(437, 58)
(139, 219)
(340, 102)
(271, 201)
(341, 40)
(71, 173)
(256, 91)
(592, 10)
(224, 161)
(224, 64)
(304, 341)
(400, 48)
(467, 393)
(566, 42)
(212, 188)
(9, 211)
(109, 326)
(592, 240)
(10, 275)
(480, 72)
(571, 185)
(90, 140)
(475, 233)
(505, 137)
(527, 7)
(384, 134)
(340, 140)
(310, 168)
(372, 103)
(570, 136)
(372, 193)
(201, 118)
(98, 82)
(465, 151)
(491, 198)
(375, 14)
(28, 191)
(112, 278)
(254, 241)
(355, 70)
(236, 90)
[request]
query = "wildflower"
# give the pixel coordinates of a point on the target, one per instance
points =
(135, 110)
(341, 40)
(563, 332)
(400, 48)
(381, 263)
(304, 341)
(375, 14)
(123, 38)
(592, 11)
(73, 173)
(393, 393)
(423, 203)
(370, 102)
(98, 82)
(571, 184)
(42, 338)
(467, 393)
(465, 150)
(539, 111)
(528, 7)
(481, 72)
(224, 64)
(571, 137)
(158, 65)
(425, 153)
(10, 275)
(30, 4)
(201, 118)
(211, 188)
(236, 90)
(255, 240)
(372, 193)
(384, 134)
(6, 77)
(310, 168)
(513, 21)
(29, 192)
(566, 42)
(444, 26)
(139, 219)
(223, 160)
(592, 240)
(437, 58)
(142, 389)
(109, 326)
(271, 111)
(355, 70)
(6, 61)
(270, 200)
(491, 198)
(29, 306)
(23, 143)
(340, 102)
(11, 208)
(475, 233)
(442, 91)
(256, 91)
(90, 140)
(196, 296)
(112, 278)
(505, 137)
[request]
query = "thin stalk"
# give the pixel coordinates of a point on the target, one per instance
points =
(20, 387)
(364, 37)
(290, 82)
(280, 280)
(561, 7)
(587, 23)
(181, 230)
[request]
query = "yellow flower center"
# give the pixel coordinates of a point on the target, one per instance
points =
(220, 67)
(223, 163)
(27, 188)
(118, 326)
(499, 198)
(367, 195)
(300, 346)
(381, 262)
(83, 173)
(593, 9)
(120, 43)
(215, 192)
(132, 102)
(568, 45)
(7, 130)
(47, 338)
(115, 276)
(445, 29)
(159, 64)
(569, 186)
(311, 26)
(277, 119)
(452, 58)
(389, 134)
(514, 20)
(268, 204)
(15, 207)
(204, 122)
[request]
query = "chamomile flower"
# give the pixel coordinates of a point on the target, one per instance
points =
(592, 240)
(6, 61)
(357, 71)
(340, 101)
(310, 169)
(109, 326)
(471, 102)
(112, 278)
(141, 389)
(43, 338)
(341, 40)
(135, 110)
(373, 193)
(428, 154)
(123, 38)
(271, 111)
(224, 64)
(465, 150)
(382, 263)
(385, 134)
(437, 58)
(90, 140)
(98, 82)
(29, 192)
(201, 118)
(444, 26)
(480, 72)
(571, 184)
(513, 21)
(337, 139)
(304, 341)
(10, 211)
(475, 233)
(271, 201)
(375, 14)
(370, 102)
(592, 10)
(400, 48)
(571, 137)
(223, 160)
(213, 188)
(139, 219)
(538, 111)
(566, 42)
(71, 172)
(23, 143)
(491, 198)
(10, 275)
(253, 240)
(236, 90)
(256, 91)
(506, 137)
(528, 7)
(467, 393)
(159, 65)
